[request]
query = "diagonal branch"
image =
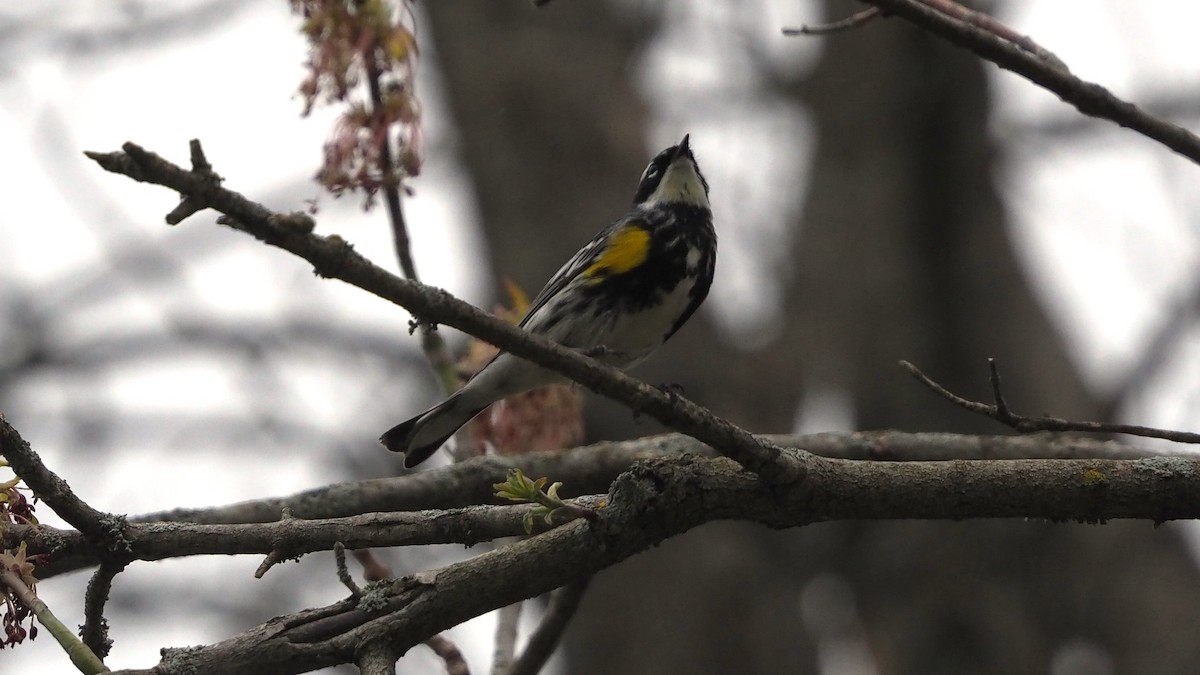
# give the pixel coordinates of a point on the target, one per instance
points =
(1088, 98)
(101, 528)
(549, 632)
(333, 257)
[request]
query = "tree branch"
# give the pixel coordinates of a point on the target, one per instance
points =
(334, 513)
(1000, 412)
(661, 498)
(856, 20)
(95, 626)
(291, 537)
(333, 257)
(549, 632)
(77, 651)
(101, 528)
(1088, 98)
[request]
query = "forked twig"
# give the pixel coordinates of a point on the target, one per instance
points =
(1000, 412)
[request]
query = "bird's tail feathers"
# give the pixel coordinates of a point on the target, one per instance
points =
(421, 436)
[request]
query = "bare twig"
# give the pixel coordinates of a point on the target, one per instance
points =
(343, 573)
(1000, 412)
(95, 626)
(549, 632)
(1018, 57)
(431, 343)
(849, 23)
(335, 258)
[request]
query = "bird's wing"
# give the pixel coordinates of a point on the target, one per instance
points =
(622, 243)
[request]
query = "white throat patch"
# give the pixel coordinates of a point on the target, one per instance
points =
(680, 184)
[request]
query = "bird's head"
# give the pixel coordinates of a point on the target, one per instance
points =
(673, 177)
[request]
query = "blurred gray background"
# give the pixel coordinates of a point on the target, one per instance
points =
(879, 196)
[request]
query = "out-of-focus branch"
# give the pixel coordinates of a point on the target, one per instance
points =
(546, 636)
(851, 22)
(333, 257)
(504, 649)
(451, 656)
(1088, 98)
(1000, 412)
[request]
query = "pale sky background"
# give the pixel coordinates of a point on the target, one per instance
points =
(1106, 220)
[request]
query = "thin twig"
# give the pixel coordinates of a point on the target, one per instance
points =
(849, 23)
(83, 658)
(432, 344)
(1000, 412)
(95, 626)
(548, 634)
(1088, 98)
(343, 573)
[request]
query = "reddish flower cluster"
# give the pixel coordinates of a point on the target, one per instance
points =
(548, 418)
(16, 509)
(375, 143)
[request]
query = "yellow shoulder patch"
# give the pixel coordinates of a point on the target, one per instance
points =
(627, 249)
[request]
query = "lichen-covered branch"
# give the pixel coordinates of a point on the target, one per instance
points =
(661, 498)
(324, 515)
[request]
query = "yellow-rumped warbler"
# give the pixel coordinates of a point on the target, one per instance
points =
(621, 296)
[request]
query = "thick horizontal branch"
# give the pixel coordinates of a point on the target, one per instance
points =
(291, 537)
(661, 498)
(327, 515)
(591, 469)
(333, 257)
(1088, 98)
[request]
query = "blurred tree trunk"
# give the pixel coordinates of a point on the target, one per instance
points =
(904, 253)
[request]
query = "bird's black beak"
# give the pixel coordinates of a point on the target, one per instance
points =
(682, 150)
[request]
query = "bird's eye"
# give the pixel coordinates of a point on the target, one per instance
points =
(651, 171)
